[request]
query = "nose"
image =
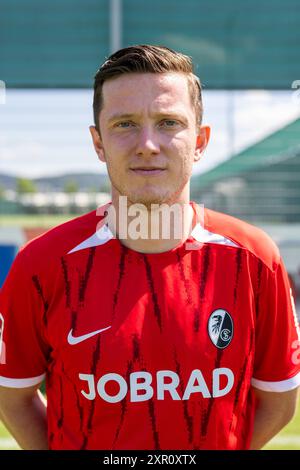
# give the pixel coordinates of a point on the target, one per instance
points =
(147, 142)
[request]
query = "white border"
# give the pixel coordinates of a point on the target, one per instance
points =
(205, 236)
(21, 383)
(281, 386)
(102, 236)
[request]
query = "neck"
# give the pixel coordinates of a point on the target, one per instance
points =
(154, 229)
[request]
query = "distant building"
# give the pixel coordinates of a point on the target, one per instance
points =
(260, 184)
(54, 202)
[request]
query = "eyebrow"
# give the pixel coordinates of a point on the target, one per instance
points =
(117, 116)
(167, 114)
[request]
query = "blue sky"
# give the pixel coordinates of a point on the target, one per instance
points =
(45, 132)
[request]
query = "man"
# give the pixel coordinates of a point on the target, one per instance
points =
(149, 341)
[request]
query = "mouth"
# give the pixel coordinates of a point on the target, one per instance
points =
(151, 171)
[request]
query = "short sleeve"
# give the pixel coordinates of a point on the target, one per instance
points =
(23, 350)
(277, 348)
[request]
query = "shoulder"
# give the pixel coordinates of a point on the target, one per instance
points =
(246, 235)
(58, 241)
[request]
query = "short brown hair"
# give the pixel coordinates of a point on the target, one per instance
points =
(143, 59)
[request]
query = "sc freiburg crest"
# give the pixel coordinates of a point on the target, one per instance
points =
(220, 328)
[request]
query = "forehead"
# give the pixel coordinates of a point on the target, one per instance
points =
(143, 89)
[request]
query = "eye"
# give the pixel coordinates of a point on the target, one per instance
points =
(169, 123)
(124, 124)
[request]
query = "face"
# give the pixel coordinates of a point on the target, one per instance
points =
(149, 138)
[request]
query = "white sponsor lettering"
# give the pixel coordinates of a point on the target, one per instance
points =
(145, 386)
(170, 387)
(196, 384)
(217, 392)
(91, 383)
(112, 378)
(142, 389)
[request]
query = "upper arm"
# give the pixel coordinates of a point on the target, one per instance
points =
(10, 396)
(279, 403)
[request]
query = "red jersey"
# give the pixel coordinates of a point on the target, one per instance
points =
(150, 351)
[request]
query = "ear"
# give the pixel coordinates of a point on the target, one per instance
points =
(202, 141)
(98, 145)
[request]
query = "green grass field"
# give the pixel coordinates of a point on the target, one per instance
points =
(287, 439)
(6, 441)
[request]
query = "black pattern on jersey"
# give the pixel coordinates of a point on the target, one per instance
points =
(135, 358)
(37, 285)
(74, 316)
(243, 371)
(244, 427)
(204, 271)
(157, 312)
(61, 417)
(185, 281)
(121, 276)
(241, 378)
(85, 440)
(188, 291)
(51, 437)
(207, 412)
(51, 366)
(94, 364)
(83, 283)
(136, 348)
(239, 385)
(238, 262)
(84, 280)
(203, 281)
(259, 273)
(196, 321)
(67, 282)
(187, 417)
(78, 405)
(153, 424)
(123, 405)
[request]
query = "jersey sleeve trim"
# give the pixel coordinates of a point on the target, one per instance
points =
(21, 383)
(281, 386)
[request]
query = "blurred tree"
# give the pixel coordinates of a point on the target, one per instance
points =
(93, 190)
(25, 186)
(71, 186)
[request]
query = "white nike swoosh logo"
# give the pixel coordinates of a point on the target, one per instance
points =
(78, 339)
